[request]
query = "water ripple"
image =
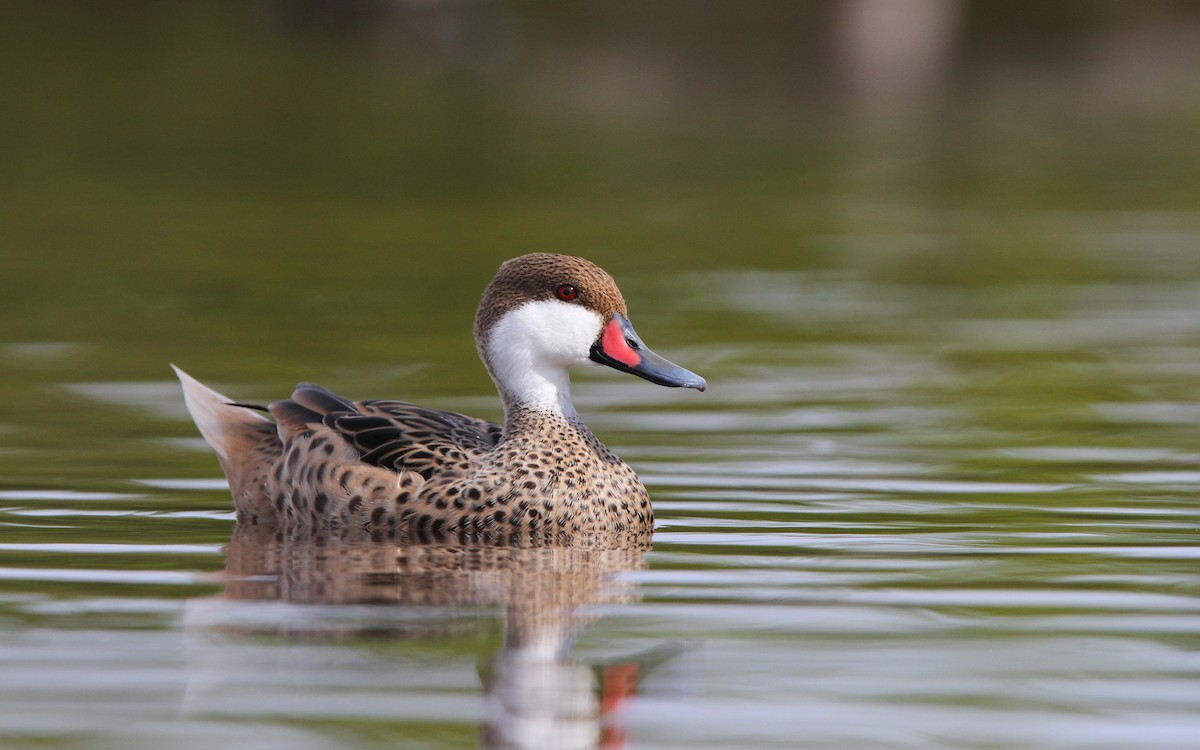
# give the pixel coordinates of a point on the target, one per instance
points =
(92, 575)
(100, 548)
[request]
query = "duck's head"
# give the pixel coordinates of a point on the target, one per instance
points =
(545, 313)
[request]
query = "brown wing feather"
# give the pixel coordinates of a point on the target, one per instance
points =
(403, 436)
(392, 434)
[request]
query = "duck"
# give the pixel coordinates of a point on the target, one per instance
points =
(319, 461)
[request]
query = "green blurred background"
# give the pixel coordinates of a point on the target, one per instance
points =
(250, 184)
(938, 260)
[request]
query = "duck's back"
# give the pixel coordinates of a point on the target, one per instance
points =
(395, 468)
(366, 463)
(327, 460)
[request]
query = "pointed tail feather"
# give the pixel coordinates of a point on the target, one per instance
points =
(231, 429)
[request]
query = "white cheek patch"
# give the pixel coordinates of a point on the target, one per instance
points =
(530, 349)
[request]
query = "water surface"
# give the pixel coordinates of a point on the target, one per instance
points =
(942, 491)
(931, 525)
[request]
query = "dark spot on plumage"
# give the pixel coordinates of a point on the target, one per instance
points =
(377, 514)
(387, 455)
(355, 503)
(319, 399)
(321, 502)
(292, 415)
(441, 503)
(243, 405)
(357, 425)
(423, 523)
(529, 485)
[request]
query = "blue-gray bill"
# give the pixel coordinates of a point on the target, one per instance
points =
(620, 348)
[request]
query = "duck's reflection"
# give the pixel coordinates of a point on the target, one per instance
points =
(535, 694)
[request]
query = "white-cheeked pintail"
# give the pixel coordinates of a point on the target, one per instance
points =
(402, 469)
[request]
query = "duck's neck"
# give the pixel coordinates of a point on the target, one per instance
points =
(529, 382)
(550, 420)
(542, 402)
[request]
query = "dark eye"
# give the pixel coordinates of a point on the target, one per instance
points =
(567, 293)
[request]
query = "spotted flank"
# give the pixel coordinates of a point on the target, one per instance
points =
(397, 469)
